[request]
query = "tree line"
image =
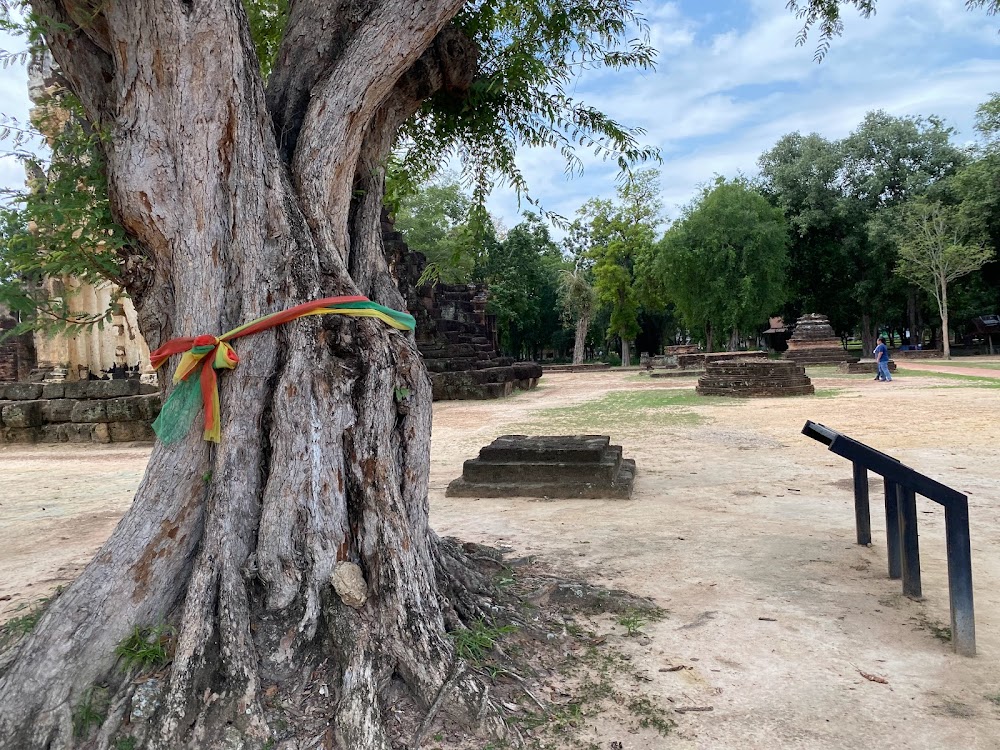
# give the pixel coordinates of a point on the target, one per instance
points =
(891, 229)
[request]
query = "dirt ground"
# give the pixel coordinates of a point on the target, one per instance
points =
(740, 528)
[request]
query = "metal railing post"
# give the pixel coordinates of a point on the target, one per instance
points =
(909, 542)
(892, 530)
(862, 512)
(963, 622)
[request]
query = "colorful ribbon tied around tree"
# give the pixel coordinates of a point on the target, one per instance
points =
(206, 354)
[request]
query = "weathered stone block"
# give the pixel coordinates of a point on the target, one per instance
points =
(21, 434)
(58, 410)
(127, 409)
(89, 411)
(53, 433)
(102, 388)
(77, 433)
(22, 414)
(21, 391)
(568, 466)
(130, 432)
(101, 434)
(53, 390)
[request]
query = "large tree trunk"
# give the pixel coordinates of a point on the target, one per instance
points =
(626, 352)
(321, 460)
(580, 343)
(868, 334)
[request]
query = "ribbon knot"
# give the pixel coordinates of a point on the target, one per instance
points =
(212, 353)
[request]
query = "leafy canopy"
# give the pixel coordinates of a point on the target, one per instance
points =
(723, 264)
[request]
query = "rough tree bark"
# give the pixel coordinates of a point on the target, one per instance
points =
(244, 201)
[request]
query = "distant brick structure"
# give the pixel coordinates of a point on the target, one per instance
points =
(454, 333)
(17, 353)
(815, 343)
(750, 378)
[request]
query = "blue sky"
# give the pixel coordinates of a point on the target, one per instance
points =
(730, 81)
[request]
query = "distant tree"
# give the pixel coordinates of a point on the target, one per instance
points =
(434, 220)
(578, 300)
(724, 263)
(934, 250)
(801, 174)
(522, 272)
(622, 236)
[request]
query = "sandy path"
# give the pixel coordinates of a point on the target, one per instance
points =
(736, 517)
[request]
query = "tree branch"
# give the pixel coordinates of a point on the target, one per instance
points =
(326, 156)
(86, 65)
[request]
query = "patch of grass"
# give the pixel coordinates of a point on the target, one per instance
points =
(632, 621)
(939, 631)
(994, 699)
(146, 648)
(651, 716)
(125, 743)
(476, 642)
(828, 392)
(625, 409)
(90, 711)
(17, 627)
(972, 381)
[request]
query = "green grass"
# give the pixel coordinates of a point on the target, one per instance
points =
(961, 362)
(968, 380)
(625, 409)
(16, 627)
(146, 648)
(90, 711)
(476, 642)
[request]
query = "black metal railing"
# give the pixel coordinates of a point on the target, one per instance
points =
(902, 485)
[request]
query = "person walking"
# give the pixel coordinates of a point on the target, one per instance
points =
(882, 360)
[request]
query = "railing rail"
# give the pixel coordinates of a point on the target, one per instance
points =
(902, 484)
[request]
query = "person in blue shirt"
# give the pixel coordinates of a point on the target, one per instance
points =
(882, 360)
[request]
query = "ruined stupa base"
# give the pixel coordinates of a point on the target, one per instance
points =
(557, 466)
(864, 367)
(754, 378)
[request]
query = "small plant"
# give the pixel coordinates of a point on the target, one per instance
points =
(402, 393)
(651, 715)
(89, 711)
(476, 641)
(632, 621)
(125, 743)
(17, 627)
(147, 649)
(994, 699)
(505, 578)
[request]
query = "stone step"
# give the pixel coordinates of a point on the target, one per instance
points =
(554, 448)
(489, 472)
(620, 488)
(757, 391)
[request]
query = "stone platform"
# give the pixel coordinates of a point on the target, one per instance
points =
(560, 466)
(865, 366)
(749, 378)
(699, 360)
(84, 411)
(815, 343)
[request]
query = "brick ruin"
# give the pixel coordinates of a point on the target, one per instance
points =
(454, 333)
(749, 378)
(17, 353)
(85, 411)
(815, 343)
(565, 466)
